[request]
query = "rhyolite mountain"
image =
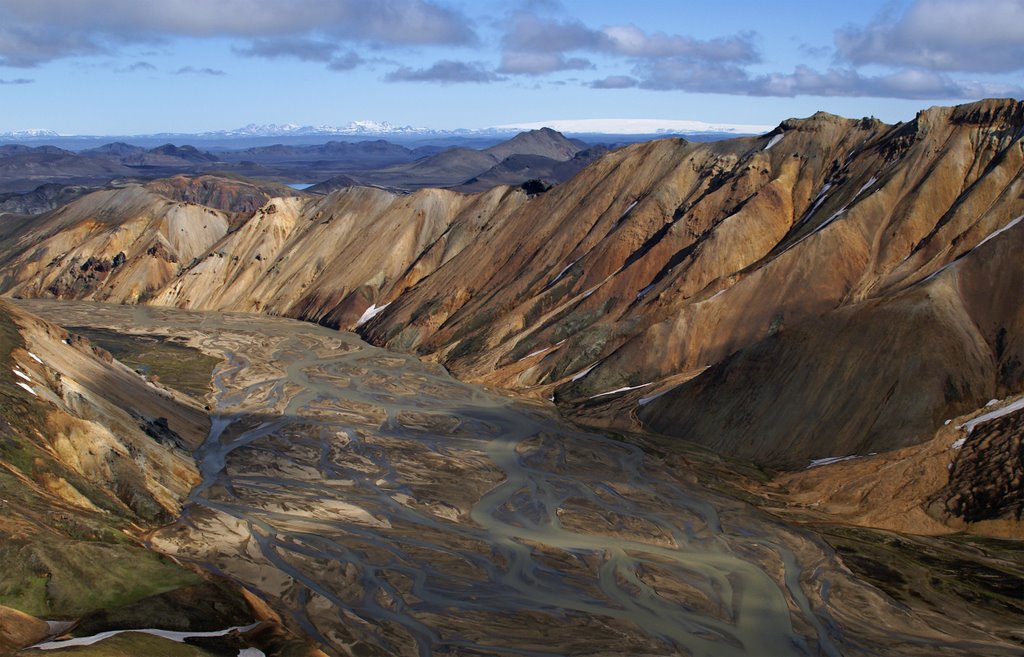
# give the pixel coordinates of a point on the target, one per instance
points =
(833, 287)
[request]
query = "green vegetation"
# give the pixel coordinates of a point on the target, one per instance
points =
(66, 579)
(174, 364)
(58, 560)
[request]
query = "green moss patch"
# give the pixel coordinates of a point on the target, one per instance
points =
(174, 364)
(68, 579)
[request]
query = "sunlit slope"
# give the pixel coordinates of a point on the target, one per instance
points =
(833, 286)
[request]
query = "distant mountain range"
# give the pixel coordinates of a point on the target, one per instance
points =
(367, 128)
(31, 173)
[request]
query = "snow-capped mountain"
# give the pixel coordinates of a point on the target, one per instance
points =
(382, 129)
(640, 127)
(31, 133)
(358, 128)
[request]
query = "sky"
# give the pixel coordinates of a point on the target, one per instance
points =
(123, 67)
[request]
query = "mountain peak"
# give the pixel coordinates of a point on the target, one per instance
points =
(541, 141)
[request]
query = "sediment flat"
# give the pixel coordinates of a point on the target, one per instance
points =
(384, 507)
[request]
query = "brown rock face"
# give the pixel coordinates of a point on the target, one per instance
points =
(836, 286)
(985, 480)
(18, 629)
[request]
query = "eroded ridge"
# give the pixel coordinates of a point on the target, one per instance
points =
(387, 508)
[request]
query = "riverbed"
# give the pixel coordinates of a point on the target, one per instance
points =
(384, 507)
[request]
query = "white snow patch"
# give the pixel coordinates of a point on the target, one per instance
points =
(832, 459)
(644, 401)
(958, 443)
(562, 273)
(534, 353)
(831, 219)
(178, 637)
(251, 652)
(628, 208)
(21, 374)
(869, 183)
(774, 140)
(617, 390)
(821, 199)
(992, 415)
(619, 126)
(991, 402)
(819, 228)
(370, 313)
(643, 292)
(585, 371)
(946, 266)
(27, 387)
(946, 422)
(1005, 228)
(35, 358)
(59, 627)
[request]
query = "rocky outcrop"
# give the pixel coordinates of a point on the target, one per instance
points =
(71, 252)
(985, 479)
(965, 478)
(235, 196)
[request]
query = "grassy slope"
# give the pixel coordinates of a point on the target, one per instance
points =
(175, 365)
(60, 560)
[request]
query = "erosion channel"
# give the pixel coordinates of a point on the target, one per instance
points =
(387, 508)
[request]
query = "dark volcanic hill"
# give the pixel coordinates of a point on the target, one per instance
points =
(376, 162)
(502, 163)
(515, 169)
(24, 168)
(833, 287)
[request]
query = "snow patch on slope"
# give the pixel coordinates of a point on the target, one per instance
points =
(370, 313)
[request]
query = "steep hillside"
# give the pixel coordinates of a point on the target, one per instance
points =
(849, 285)
(329, 260)
(833, 287)
(120, 244)
(89, 456)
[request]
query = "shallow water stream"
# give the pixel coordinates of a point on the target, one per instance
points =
(387, 508)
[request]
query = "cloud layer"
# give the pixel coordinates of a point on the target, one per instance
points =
(975, 36)
(33, 32)
(921, 49)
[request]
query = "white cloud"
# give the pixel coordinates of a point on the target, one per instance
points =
(615, 82)
(37, 31)
(978, 36)
(631, 41)
(192, 70)
(444, 72)
(534, 45)
(682, 75)
(539, 63)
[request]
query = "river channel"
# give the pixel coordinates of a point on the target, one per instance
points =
(384, 507)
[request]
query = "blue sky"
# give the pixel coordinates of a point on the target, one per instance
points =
(132, 67)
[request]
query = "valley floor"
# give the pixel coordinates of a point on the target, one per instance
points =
(383, 507)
